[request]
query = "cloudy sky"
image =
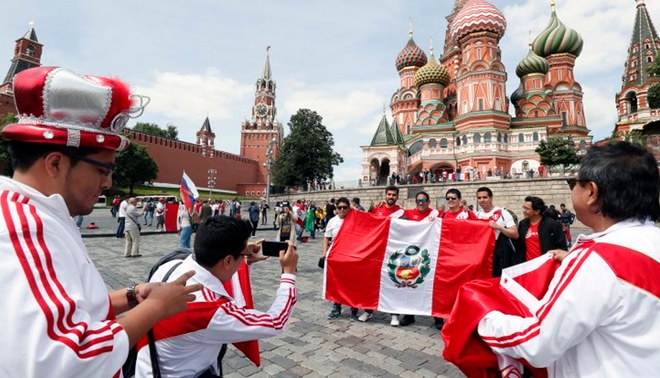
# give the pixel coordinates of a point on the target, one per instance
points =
(200, 58)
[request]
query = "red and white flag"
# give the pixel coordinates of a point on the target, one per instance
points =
(405, 267)
(240, 289)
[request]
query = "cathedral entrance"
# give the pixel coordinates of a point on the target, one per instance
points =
(384, 171)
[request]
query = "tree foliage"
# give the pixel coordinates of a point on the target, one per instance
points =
(654, 96)
(170, 132)
(4, 155)
(633, 136)
(134, 166)
(654, 69)
(558, 152)
(307, 152)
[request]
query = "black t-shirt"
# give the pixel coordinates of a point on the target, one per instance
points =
(329, 211)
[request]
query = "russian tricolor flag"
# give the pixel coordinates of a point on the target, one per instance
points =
(189, 192)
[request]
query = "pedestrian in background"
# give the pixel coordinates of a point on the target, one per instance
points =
(132, 229)
(185, 226)
(253, 212)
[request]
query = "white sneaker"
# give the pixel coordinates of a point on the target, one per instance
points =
(365, 316)
(395, 321)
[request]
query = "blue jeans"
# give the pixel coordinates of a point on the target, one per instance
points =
(120, 226)
(184, 237)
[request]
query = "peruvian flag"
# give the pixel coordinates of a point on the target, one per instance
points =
(406, 267)
(240, 289)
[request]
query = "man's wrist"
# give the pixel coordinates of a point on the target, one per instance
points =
(131, 296)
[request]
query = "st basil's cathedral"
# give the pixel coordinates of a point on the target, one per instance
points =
(451, 115)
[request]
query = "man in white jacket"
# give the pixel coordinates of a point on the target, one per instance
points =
(600, 315)
(59, 319)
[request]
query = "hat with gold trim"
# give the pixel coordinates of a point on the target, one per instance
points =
(57, 106)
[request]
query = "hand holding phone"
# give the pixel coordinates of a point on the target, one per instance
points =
(273, 248)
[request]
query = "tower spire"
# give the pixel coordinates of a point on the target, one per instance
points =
(267, 73)
(410, 31)
(553, 5)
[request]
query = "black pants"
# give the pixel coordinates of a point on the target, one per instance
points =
(254, 227)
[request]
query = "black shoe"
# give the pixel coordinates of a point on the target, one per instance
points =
(439, 323)
(407, 320)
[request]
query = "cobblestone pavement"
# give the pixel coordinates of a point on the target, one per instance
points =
(310, 346)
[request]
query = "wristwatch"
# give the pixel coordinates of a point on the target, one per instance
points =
(130, 296)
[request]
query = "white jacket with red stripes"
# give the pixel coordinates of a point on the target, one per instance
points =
(189, 343)
(56, 317)
(601, 314)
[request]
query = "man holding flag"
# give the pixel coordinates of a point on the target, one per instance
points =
(188, 344)
(594, 315)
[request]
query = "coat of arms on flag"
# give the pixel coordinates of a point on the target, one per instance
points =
(406, 267)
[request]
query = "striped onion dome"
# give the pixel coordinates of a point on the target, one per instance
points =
(532, 63)
(478, 16)
(517, 94)
(410, 56)
(557, 39)
(432, 72)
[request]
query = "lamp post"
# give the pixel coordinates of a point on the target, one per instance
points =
(211, 180)
(269, 165)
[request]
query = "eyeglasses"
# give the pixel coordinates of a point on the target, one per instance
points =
(573, 181)
(105, 168)
(451, 198)
(421, 200)
(342, 207)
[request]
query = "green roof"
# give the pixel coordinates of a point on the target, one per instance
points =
(383, 136)
(643, 31)
(396, 133)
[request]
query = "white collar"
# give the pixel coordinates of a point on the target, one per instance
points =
(204, 277)
(613, 228)
(54, 203)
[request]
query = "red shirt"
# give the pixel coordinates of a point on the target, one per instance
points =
(533, 242)
(461, 214)
(415, 214)
(385, 211)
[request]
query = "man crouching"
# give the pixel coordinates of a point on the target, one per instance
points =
(188, 344)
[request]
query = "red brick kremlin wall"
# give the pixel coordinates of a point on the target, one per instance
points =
(173, 157)
(7, 104)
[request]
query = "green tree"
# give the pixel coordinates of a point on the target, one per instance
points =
(654, 96)
(134, 166)
(5, 161)
(654, 69)
(306, 153)
(558, 152)
(170, 132)
(633, 136)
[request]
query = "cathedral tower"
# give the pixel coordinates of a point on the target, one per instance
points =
(561, 46)
(632, 101)
(27, 54)
(262, 129)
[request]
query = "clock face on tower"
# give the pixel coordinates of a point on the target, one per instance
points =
(261, 110)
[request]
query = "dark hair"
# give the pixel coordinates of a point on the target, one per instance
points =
(218, 237)
(356, 200)
(627, 179)
(23, 154)
(424, 194)
(537, 204)
(344, 200)
(487, 190)
(392, 188)
(455, 191)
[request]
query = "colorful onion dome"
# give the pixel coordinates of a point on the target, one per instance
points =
(478, 16)
(517, 94)
(557, 39)
(410, 56)
(532, 63)
(432, 72)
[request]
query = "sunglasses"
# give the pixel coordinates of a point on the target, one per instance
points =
(421, 200)
(573, 181)
(342, 207)
(451, 198)
(106, 168)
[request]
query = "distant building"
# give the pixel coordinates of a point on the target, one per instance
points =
(453, 112)
(632, 103)
(245, 174)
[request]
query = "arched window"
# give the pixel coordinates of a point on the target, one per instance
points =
(488, 137)
(477, 138)
(30, 50)
(443, 143)
(521, 138)
(458, 141)
(506, 138)
(432, 143)
(631, 100)
(583, 145)
(464, 139)
(535, 136)
(499, 137)
(416, 147)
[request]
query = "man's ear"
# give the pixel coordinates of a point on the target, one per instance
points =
(592, 195)
(55, 163)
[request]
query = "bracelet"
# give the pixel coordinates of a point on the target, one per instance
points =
(130, 296)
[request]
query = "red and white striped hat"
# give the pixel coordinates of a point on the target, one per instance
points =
(58, 106)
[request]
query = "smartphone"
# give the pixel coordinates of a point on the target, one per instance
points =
(273, 248)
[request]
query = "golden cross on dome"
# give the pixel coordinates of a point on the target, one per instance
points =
(410, 31)
(431, 42)
(553, 5)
